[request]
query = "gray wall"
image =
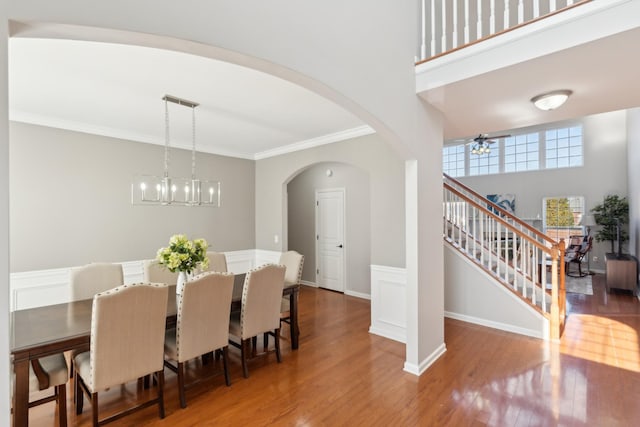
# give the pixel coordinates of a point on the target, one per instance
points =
(604, 172)
(301, 219)
(633, 151)
(386, 209)
(71, 202)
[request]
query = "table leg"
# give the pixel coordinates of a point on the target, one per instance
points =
(21, 393)
(293, 310)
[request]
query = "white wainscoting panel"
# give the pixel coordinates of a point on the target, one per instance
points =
(388, 302)
(39, 288)
(31, 289)
(240, 261)
(267, 257)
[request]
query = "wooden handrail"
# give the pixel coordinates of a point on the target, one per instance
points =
(505, 31)
(506, 224)
(504, 212)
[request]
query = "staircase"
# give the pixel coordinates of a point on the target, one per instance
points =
(509, 251)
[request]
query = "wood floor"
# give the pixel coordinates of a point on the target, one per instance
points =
(342, 375)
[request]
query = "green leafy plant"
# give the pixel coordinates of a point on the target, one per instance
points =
(183, 254)
(613, 211)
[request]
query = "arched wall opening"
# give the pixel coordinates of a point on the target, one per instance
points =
(302, 217)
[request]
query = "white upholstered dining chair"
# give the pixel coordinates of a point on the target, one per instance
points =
(88, 280)
(154, 272)
(217, 261)
(293, 261)
(260, 310)
(47, 372)
(202, 326)
(116, 357)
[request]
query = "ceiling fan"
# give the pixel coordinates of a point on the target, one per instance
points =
(482, 142)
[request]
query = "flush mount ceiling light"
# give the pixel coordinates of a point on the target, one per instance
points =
(551, 100)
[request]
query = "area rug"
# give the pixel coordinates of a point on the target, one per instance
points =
(578, 285)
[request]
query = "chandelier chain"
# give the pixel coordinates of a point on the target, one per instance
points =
(166, 138)
(193, 139)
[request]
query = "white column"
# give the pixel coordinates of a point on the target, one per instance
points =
(4, 221)
(424, 250)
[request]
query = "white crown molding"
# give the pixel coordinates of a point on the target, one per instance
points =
(58, 123)
(316, 142)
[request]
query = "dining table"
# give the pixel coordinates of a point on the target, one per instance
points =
(43, 331)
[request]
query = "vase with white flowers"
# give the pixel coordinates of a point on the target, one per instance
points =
(183, 256)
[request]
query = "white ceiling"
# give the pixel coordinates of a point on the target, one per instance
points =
(116, 90)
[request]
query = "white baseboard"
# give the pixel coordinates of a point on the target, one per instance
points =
(497, 325)
(428, 361)
(307, 283)
(358, 295)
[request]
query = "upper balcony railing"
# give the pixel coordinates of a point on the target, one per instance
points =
(449, 25)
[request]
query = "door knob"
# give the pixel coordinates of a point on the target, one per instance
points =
(339, 246)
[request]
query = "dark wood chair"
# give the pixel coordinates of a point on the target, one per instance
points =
(576, 257)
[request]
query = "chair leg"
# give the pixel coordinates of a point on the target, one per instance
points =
(183, 400)
(265, 339)
(61, 393)
(78, 394)
(254, 346)
(160, 375)
(225, 365)
(94, 409)
(207, 357)
(243, 355)
(277, 341)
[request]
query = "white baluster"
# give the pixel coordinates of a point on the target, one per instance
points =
(423, 45)
(433, 28)
(536, 8)
(520, 12)
(479, 23)
(506, 15)
(466, 21)
(569, 2)
(492, 18)
(454, 36)
(552, 6)
(443, 48)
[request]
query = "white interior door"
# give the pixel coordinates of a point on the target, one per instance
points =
(330, 239)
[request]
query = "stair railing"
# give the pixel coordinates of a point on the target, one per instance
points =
(449, 26)
(513, 252)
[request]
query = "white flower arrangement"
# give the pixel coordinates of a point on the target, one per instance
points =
(183, 254)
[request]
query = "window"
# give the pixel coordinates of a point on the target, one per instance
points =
(521, 153)
(453, 160)
(486, 163)
(563, 147)
(562, 216)
(544, 149)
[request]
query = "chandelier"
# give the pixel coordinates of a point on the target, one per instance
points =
(171, 191)
(480, 148)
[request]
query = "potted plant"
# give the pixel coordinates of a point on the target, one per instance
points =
(611, 215)
(183, 256)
